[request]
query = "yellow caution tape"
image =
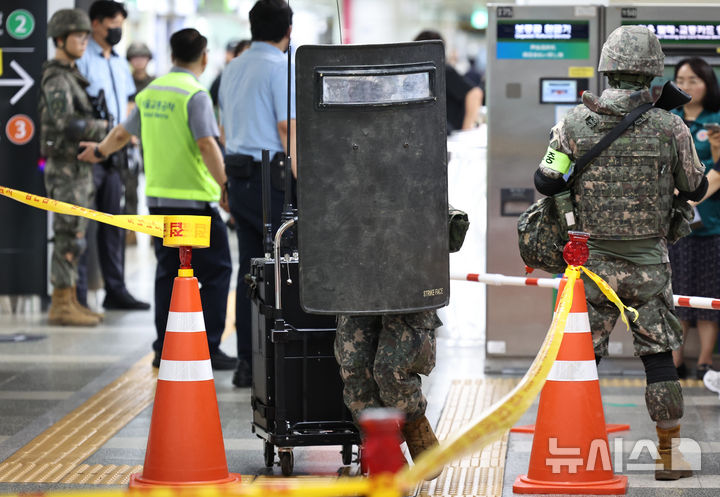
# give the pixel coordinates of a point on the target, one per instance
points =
(607, 291)
(502, 415)
(176, 231)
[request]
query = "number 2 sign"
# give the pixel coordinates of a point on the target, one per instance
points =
(20, 24)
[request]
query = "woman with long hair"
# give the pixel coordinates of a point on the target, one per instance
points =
(695, 259)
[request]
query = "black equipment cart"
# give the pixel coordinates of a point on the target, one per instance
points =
(297, 389)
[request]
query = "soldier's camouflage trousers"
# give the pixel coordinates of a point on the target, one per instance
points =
(664, 400)
(381, 358)
(648, 289)
(71, 182)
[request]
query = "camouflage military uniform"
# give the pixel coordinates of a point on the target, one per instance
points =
(66, 119)
(381, 358)
(624, 199)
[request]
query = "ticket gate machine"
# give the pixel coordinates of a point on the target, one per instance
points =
(540, 60)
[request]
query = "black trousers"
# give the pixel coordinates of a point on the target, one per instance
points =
(245, 196)
(109, 192)
(212, 267)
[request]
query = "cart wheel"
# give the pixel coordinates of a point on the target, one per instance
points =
(346, 454)
(269, 453)
(287, 460)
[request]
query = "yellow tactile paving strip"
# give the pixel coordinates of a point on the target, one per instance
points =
(58, 452)
(640, 382)
(480, 473)
(101, 475)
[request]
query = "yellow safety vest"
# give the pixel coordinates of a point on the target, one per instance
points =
(174, 167)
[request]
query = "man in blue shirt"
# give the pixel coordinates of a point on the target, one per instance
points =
(253, 113)
(107, 71)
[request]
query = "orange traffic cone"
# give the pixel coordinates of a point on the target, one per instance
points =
(570, 451)
(609, 427)
(185, 446)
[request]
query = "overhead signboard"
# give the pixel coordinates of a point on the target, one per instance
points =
(23, 49)
(682, 31)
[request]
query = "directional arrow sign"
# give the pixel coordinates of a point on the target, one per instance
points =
(25, 82)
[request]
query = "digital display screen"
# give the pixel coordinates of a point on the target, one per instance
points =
(543, 30)
(668, 31)
(554, 91)
(555, 39)
(562, 90)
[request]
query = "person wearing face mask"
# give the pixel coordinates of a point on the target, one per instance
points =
(108, 73)
(187, 178)
(66, 118)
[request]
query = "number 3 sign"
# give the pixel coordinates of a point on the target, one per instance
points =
(20, 129)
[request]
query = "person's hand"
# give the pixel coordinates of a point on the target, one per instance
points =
(714, 138)
(87, 152)
(224, 202)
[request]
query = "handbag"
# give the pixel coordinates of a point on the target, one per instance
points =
(543, 227)
(459, 223)
(541, 236)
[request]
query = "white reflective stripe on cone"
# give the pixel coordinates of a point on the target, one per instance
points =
(185, 322)
(573, 371)
(185, 370)
(577, 322)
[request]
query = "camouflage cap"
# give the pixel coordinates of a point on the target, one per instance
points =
(138, 49)
(66, 21)
(632, 49)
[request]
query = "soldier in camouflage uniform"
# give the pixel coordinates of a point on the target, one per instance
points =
(66, 118)
(623, 200)
(138, 55)
(381, 359)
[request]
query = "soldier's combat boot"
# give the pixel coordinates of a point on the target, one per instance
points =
(420, 437)
(83, 309)
(62, 310)
(674, 465)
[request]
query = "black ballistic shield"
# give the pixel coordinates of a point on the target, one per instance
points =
(372, 178)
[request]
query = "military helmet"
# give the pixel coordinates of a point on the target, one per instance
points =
(634, 50)
(66, 21)
(138, 49)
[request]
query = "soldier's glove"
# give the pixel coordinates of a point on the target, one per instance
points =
(458, 224)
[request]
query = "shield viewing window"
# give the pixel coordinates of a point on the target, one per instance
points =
(376, 86)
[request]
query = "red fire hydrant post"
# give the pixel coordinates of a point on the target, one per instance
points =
(381, 451)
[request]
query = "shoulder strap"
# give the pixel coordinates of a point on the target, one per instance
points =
(606, 140)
